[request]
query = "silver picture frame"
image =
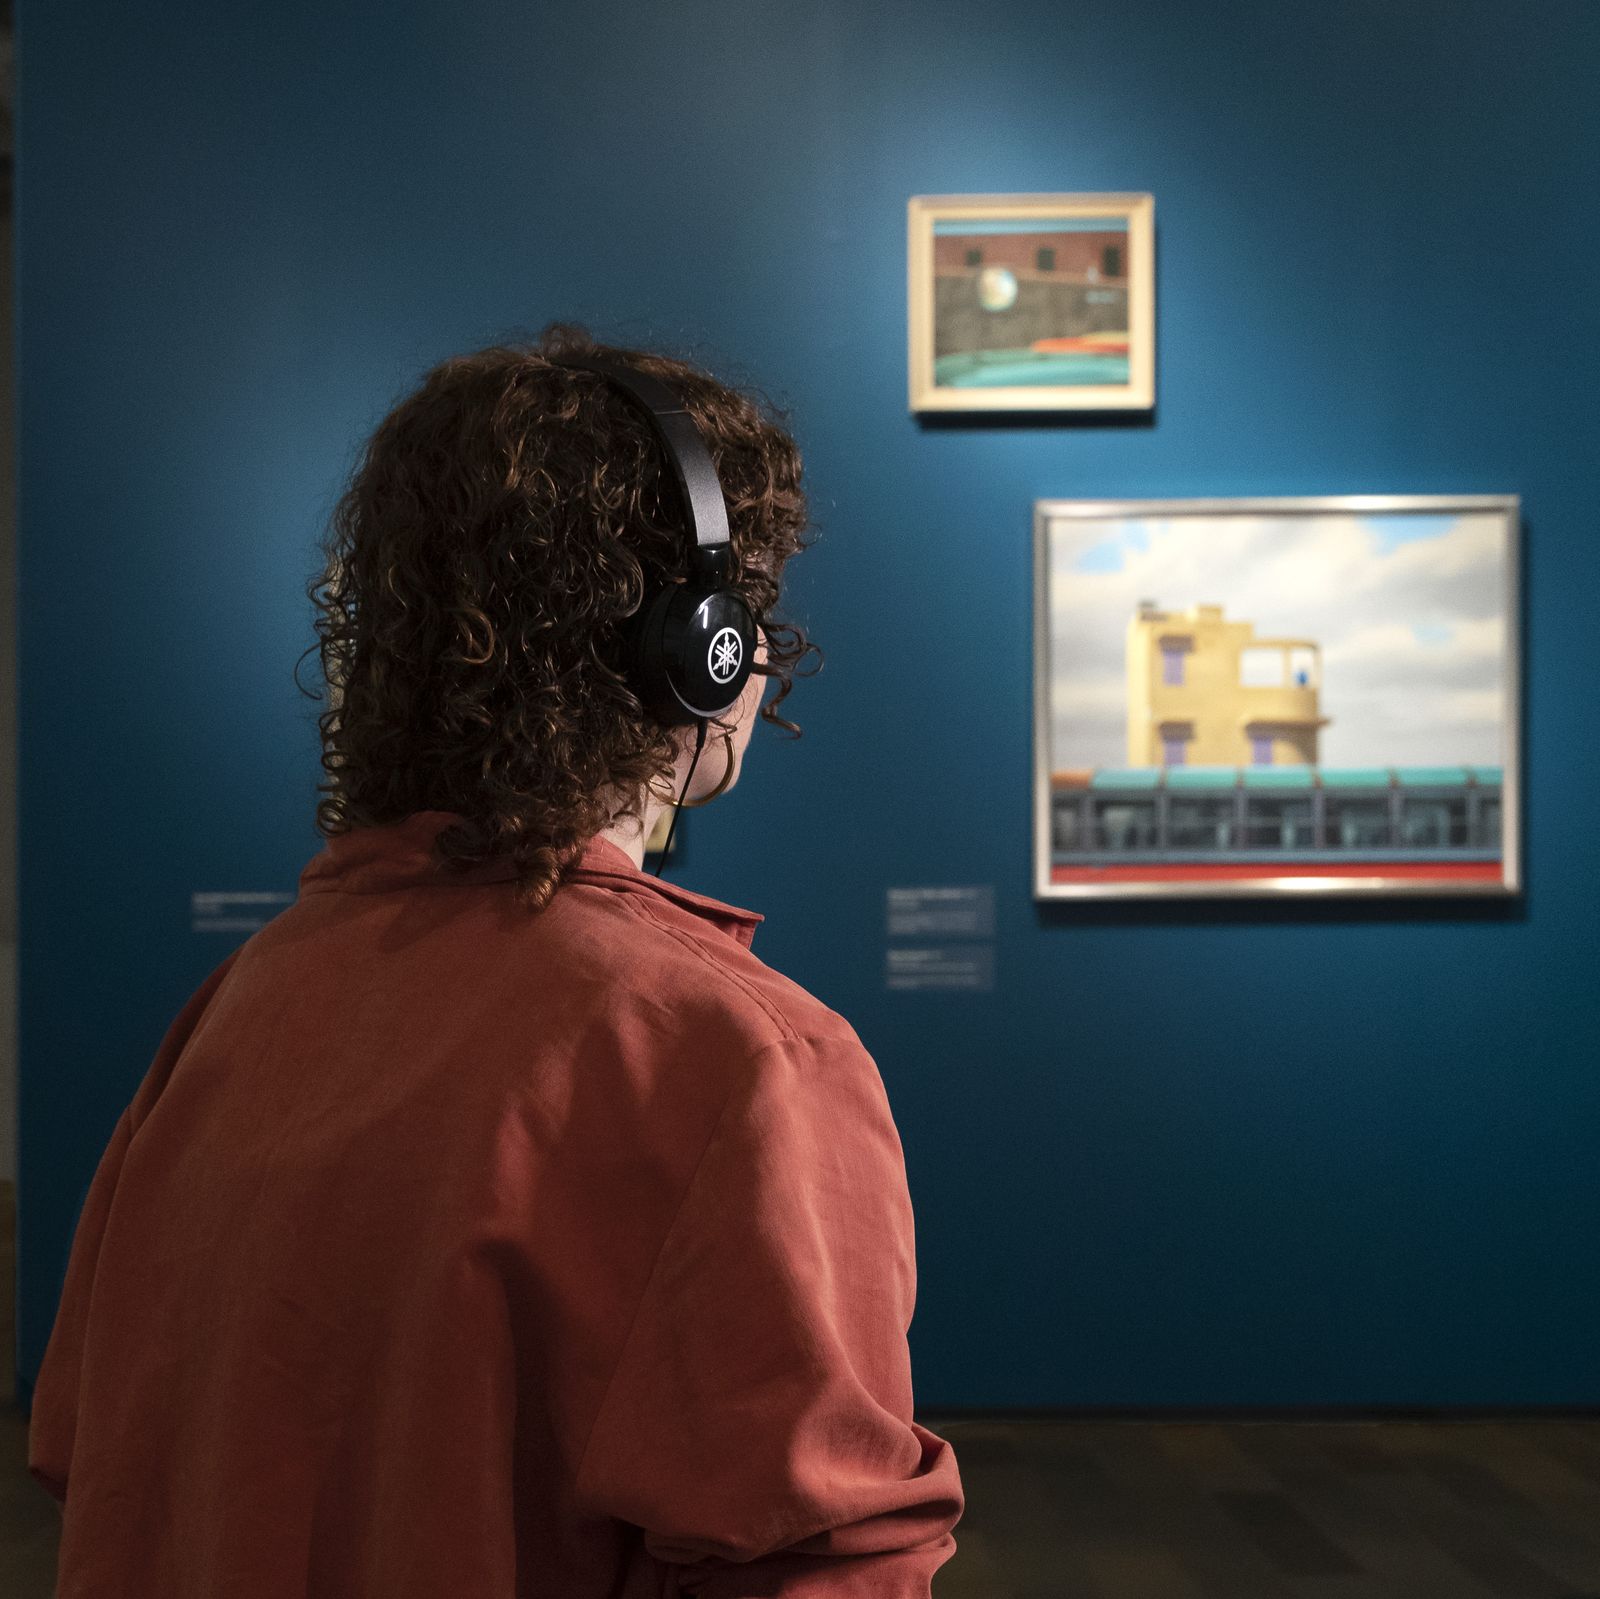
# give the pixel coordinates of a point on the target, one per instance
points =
(1436, 829)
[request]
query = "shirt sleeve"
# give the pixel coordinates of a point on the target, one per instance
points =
(758, 1425)
(52, 1425)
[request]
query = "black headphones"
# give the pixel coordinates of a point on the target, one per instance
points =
(693, 643)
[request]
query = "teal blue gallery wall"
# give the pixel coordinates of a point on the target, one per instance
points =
(1199, 1157)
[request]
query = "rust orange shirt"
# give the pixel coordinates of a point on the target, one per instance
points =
(452, 1252)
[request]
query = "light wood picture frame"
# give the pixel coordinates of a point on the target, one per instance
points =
(1031, 302)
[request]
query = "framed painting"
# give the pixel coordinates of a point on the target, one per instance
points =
(1031, 302)
(1252, 697)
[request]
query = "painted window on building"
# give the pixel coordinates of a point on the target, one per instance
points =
(1172, 654)
(1433, 823)
(1125, 824)
(1488, 821)
(1174, 749)
(1261, 667)
(1200, 823)
(1261, 749)
(1272, 822)
(1047, 259)
(1358, 824)
(1067, 819)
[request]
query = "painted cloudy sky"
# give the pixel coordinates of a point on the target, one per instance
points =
(1409, 609)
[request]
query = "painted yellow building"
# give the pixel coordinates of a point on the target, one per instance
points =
(1204, 691)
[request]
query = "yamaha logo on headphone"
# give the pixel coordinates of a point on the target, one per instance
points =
(722, 659)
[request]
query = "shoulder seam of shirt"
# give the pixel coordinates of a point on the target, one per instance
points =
(737, 1081)
(647, 911)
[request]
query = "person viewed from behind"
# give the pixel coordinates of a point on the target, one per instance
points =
(494, 1223)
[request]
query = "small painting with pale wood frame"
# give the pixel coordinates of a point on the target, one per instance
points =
(1031, 302)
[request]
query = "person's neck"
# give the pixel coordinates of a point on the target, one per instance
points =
(629, 835)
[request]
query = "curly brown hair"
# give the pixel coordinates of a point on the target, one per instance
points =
(480, 569)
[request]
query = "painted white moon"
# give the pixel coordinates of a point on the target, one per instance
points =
(997, 288)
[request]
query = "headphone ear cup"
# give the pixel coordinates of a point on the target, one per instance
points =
(708, 645)
(652, 676)
(693, 653)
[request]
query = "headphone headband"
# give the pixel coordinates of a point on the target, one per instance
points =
(691, 461)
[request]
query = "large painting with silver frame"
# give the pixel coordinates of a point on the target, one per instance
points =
(1276, 696)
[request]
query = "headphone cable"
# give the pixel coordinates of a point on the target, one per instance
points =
(677, 804)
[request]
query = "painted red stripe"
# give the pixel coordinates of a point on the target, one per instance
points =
(1411, 871)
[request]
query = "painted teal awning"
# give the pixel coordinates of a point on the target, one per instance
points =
(1202, 777)
(1355, 776)
(1292, 779)
(1431, 776)
(1280, 777)
(1126, 777)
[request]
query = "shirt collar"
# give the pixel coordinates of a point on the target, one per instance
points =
(373, 860)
